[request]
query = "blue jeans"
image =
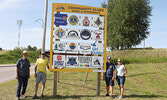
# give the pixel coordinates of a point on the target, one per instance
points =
(21, 83)
(120, 80)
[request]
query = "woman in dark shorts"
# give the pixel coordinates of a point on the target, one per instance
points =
(121, 71)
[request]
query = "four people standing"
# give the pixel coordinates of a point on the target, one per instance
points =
(23, 74)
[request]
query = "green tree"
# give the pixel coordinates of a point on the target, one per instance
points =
(128, 22)
(0, 48)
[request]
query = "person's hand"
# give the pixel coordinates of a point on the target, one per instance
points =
(122, 75)
(35, 75)
(16, 77)
(113, 78)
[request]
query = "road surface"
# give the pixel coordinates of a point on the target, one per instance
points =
(7, 72)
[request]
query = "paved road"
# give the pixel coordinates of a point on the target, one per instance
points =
(7, 72)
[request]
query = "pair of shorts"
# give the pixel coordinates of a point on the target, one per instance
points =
(120, 80)
(41, 76)
(109, 81)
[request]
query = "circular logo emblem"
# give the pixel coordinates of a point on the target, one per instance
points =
(60, 33)
(72, 46)
(73, 20)
(86, 22)
(85, 34)
(72, 34)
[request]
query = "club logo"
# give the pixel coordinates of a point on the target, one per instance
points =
(86, 22)
(85, 47)
(59, 58)
(60, 46)
(72, 46)
(60, 7)
(72, 61)
(84, 61)
(85, 34)
(73, 20)
(98, 35)
(97, 62)
(60, 33)
(94, 48)
(98, 22)
(72, 34)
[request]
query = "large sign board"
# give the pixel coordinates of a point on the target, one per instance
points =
(78, 38)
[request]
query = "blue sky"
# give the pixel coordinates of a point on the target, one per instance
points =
(31, 32)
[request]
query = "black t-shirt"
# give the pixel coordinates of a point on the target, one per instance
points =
(23, 67)
(109, 69)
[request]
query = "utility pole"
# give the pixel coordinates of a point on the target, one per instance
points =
(44, 25)
(144, 44)
(19, 23)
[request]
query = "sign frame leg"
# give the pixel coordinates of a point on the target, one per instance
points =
(98, 83)
(55, 84)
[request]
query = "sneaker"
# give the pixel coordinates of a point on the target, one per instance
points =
(35, 96)
(112, 97)
(17, 98)
(120, 97)
(107, 94)
(24, 96)
(42, 95)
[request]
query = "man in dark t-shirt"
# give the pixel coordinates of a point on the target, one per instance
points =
(22, 74)
(108, 76)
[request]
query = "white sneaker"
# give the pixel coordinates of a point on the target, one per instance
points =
(24, 96)
(120, 97)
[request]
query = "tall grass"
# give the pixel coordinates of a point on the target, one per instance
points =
(139, 56)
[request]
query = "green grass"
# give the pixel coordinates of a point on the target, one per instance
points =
(140, 56)
(143, 82)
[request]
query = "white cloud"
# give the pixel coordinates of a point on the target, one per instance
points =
(12, 4)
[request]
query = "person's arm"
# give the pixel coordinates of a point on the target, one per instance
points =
(16, 72)
(113, 74)
(125, 71)
(36, 71)
(17, 68)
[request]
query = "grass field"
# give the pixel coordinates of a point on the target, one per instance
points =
(143, 82)
(140, 56)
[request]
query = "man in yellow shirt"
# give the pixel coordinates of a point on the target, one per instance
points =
(40, 73)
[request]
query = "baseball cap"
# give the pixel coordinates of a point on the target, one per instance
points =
(24, 52)
(109, 58)
(43, 53)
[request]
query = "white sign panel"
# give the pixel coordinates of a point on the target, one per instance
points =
(72, 47)
(84, 61)
(72, 61)
(59, 47)
(85, 48)
(98, 22)
(97, 62)
(60, 33)
(97, 48)
(58, 61)
(98, 35)
(73, 34)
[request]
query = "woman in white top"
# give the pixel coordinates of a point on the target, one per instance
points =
(121, 71)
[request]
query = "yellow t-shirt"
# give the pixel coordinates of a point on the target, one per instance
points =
(42, 64)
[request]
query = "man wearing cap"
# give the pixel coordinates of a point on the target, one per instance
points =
(40, 73)
(22, 74)
(108, 76)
